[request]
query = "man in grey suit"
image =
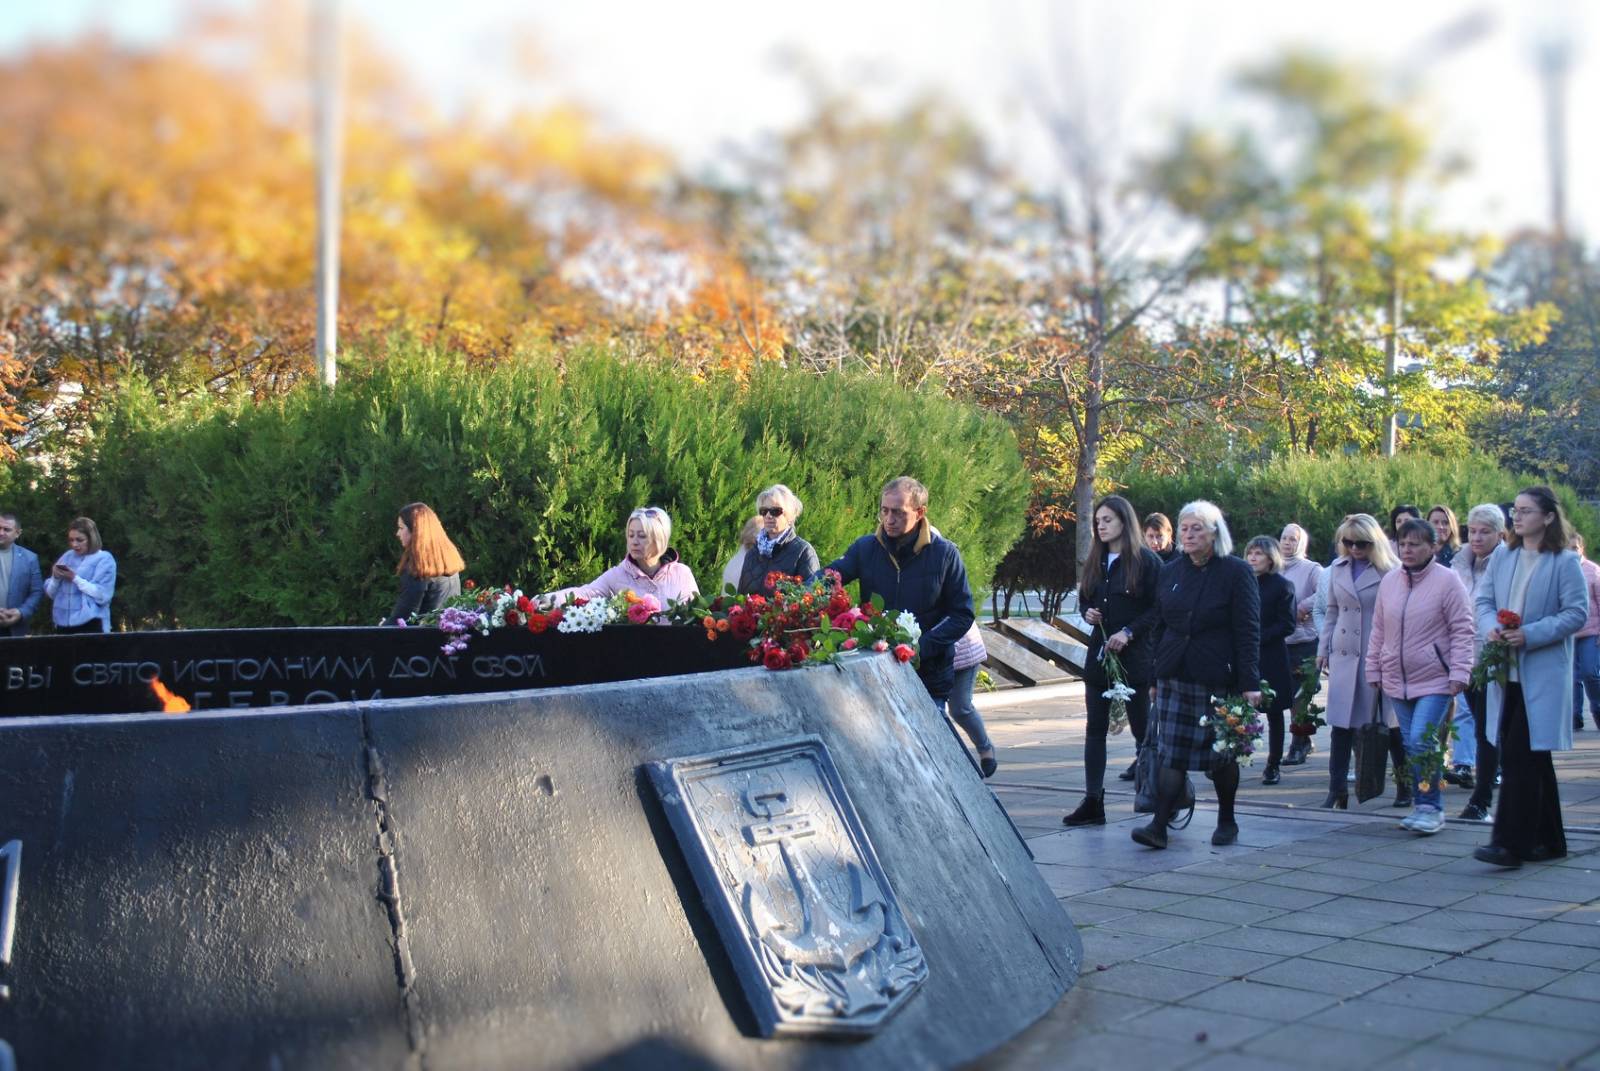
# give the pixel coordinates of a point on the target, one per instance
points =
(21, 586)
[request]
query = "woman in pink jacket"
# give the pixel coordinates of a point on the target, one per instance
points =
(651, 566)
(1420, 655)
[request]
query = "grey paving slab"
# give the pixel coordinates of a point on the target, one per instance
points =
(1563, 933)
(1315, 882)
(1277, 942)
(1436, 994)
(1320, 1046)
(1357, 867)
(1081, 1015)
(1523, 976)
(1417, 934)
(1086, 914)
(1326, 924)
(1071, 880)
(1123, 896)
(1203, 1028)
(1289, 858)
(1174, 927)
(1095, 1052)
(1522, 907)
(1377, 955)
(1539, 953)
(1432, 1057)
(1215, 960)
(1278, 896)
(1580, 985)
(1376, 910)
(1238, 1061)
(1405, 856)
(1492, 1038)
(1250, 868)
(1183, 881)
(1545, 1010)
(1102, 947)
(1276, 1002)
(1418, 891)
(1367, 1015)
(1149, 981)
(1327, 847)
(1220, 908)
(1498, 925)
(1339, 979)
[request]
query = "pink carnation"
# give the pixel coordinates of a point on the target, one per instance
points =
(881, 645)
(643, 610)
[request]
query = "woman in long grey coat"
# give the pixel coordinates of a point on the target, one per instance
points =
(1535, 576)
(1342, 650)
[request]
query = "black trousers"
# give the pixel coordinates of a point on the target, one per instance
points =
(1099, 711)
(1528, 821)
(1488, 754)
(95, 628)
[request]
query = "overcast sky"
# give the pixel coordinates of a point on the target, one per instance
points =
(695, 74)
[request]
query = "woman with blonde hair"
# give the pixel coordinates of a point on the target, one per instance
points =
(82, 582)
(1352, 582)
(1447, 534)
(650, 566)
(778, 547)
(430, 567)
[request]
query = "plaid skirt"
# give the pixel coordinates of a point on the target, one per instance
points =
(1183, 743)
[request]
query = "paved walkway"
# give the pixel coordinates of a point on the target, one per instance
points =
(1322, 939)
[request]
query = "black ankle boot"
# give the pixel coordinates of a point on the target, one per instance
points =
(1169, 787)
(1225, 776)
(1271, 776)
(1091, 812)
(1402, 786)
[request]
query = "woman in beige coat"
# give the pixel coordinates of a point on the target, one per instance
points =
(1342, 651)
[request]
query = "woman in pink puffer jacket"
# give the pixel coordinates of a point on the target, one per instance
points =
(1420, 654)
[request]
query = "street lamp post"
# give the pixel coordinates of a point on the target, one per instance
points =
(326, 75)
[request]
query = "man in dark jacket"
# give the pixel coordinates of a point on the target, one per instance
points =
(913, 568)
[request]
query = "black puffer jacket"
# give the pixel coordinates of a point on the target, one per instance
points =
(793, 557)
(1137, 613)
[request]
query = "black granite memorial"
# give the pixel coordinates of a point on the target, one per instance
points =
(728, 869)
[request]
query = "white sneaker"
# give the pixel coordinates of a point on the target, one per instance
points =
(1428, 822)
(1410, 820)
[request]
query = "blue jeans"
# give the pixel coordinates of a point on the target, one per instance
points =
(1416, 715)
(963, 712)
(1465, 750)
(1586, 678)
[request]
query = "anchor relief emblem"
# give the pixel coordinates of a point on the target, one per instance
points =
(824, 946)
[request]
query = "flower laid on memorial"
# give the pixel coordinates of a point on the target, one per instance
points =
(1236, 725)
(801, 622)
(1494, 661)
(1305, 715)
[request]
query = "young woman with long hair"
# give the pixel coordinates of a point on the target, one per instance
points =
(1117, 597)
(430, 566)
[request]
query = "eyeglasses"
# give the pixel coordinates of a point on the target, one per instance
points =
(1528, 512)
(1357, 544)
(771, 511)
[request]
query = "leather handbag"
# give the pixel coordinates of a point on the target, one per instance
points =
(1372, 756)
(1145, 774)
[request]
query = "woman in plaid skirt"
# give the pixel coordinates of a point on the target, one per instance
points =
(1208, 642)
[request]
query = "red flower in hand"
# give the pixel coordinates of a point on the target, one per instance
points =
(1509, 619)
(903, 652)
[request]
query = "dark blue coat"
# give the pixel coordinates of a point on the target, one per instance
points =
(927, 577)
(1277, 624)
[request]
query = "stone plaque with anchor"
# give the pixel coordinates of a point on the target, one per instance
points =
(785, 868)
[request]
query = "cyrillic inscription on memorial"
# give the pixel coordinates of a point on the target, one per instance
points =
(797, 892)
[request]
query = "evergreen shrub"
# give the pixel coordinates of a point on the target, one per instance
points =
(231, 513)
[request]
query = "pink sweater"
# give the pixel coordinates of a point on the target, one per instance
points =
(673, 582)
(1422, 633)
(1591, 580)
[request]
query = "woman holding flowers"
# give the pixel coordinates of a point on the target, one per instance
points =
(1486, 526)
(778, 548)
(1208, 643)
(1420, 657)
(1342, 650)
(1117, 596)
(430, 566)
(650, 567)
(1265, 558)
(1532, 601)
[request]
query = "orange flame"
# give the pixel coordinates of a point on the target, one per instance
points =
(170, 703)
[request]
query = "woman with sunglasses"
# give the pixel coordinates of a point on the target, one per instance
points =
(779, 548)
(1536, 577)
(1353, 582)
(650, 567)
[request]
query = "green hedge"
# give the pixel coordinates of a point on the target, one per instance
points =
(1317, 493)
(228, 513)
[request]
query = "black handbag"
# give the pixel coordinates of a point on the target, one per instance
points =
(1145, 774)
(1372, 756)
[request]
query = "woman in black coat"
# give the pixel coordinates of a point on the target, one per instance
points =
(1116, 595)
(779, 548)
(1277, 625)
(1208, 642)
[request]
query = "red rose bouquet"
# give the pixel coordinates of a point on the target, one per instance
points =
(1494, 661)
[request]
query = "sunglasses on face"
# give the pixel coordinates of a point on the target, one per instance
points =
(771, 511)
(1357, 544)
